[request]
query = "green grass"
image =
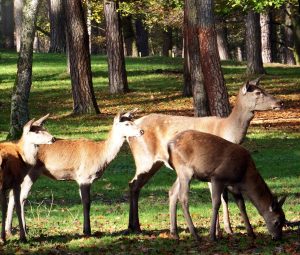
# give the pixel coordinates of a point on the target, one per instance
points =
(54, 211)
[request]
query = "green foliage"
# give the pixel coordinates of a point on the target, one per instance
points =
(257, 5)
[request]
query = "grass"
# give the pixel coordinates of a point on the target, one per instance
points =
(54, 211)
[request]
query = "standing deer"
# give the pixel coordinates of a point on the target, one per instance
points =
(213, 159)
(80, 160)
(15, 161)
(150, 152)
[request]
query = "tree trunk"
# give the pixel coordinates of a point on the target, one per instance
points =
(115, 51)
(167, 42)
(130, 48)
(274, 37)
(296, 32)
(265, 25)
(84, 100)
(253, 44)
(21, 90)
(210, 62)
(141, 38)
(193, 76)
(288, 37)
(7, 24)
(57, 27)
(18, 13)
(222, 41)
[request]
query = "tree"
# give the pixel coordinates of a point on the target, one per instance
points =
(129, 37)
(20, 96)
(141, 38)
(7, 24)
(266, 43)
(253, 44)
(222, 40)
(210, 62)
(193, 77)
(167, 42)
(84, 100)
(18, 8)
(57, 27)
(115, 51)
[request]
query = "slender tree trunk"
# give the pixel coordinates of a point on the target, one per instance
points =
(253, 44)
(288, 37)
(21, 90)
(210, 62)
(296, 32)
(84, 100)
(7, 24)
(266, 46)
(167, 42)
(18, 13)
(57, 27)
(115, 51)
(142, 38)
(273, 39)
(129, 37)
(193, 76)
(223, 46)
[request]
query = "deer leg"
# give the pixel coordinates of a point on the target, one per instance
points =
(226, 219)
(217, 189)
(184, 187)
(26, 185)
(17, 192)
(4, 210)
(135, 187)
(86, 202)
(241, 204)
(173, 197)
(218, 228)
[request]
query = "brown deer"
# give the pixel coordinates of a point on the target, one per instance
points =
(80, 160)
(16, 158)
(212, 159)
(150, 152)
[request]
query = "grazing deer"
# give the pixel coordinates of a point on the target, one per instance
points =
(15, 161)
(150, 152)
(213, 159)
(80, 160)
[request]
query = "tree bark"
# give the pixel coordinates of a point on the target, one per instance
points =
(115, 51)
(84, 100)
(253, 44)
(18, 14)
(193, 77)
(222, 41)
(210, 62)
(167, 42)
(57, 27)
(141, 38)
(266, 46)
(296, 32)
(7, 24)
(21, 90)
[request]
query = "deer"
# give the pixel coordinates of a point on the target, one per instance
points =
(16, 159)
(210, 158)
(79, 160)
(150, 152)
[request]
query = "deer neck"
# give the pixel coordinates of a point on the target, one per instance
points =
(28, 152)
(239, 121)
(112, 145)
(260, 194)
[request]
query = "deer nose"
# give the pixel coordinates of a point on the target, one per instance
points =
(142, 131)
(53, 139)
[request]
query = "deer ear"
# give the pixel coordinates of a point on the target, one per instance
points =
(27, 126)
(256, 81)
(117, 117)
(129, 115)
(245, 88)
(281, 200)
(41, 121)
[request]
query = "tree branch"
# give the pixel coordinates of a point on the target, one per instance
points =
(42, 31)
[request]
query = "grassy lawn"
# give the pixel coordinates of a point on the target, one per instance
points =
(54, 211)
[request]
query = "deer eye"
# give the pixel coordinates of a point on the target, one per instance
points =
(257, 93)
(126, 124)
